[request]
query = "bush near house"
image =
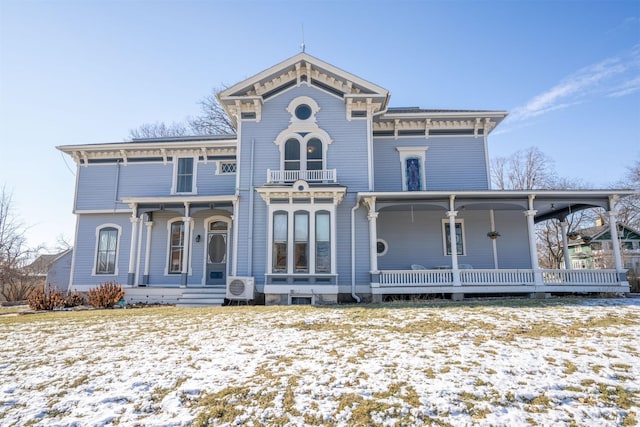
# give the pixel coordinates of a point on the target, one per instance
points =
(106, 295)
(50, 298)
(45, 298)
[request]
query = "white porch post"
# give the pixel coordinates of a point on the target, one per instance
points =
(454, 247)
(615, 244)
(132, 252)
(373, 238)
(533, 250)
(564, 227)
(147, 253)
(494, 242)
(186, 248)
(373, 234)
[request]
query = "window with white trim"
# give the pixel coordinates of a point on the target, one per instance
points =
(280, 241)
(301, 241)
(446, 237)
(303, 153)
(107, 250)
(185, 172)
(226, 168)
(176, 246)
(412, 160)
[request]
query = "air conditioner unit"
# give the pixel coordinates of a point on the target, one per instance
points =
(240, 288)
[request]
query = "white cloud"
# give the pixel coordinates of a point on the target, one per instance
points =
(572, 89)
(627, 88)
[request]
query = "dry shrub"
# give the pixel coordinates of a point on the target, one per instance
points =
(45, 298)
(106, 295)
(73, 299)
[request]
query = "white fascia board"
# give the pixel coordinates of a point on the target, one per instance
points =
(315, 62)
(497, 194)
(179, 199)
(147, 145)
(422, 115)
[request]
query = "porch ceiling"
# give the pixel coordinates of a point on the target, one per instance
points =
(548, 203)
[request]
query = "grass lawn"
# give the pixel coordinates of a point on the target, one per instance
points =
(511, 362)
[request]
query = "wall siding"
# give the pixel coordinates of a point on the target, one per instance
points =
(85, 250)
(416, 238)
(451, 163)
(97, 183)
(347, 154)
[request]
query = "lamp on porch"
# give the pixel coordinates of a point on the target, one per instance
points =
(198, 238)
(493, 235)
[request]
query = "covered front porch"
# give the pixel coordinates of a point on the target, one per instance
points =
(479, 242)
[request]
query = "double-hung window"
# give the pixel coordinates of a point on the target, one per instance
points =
(107, 250)
(184, 175)
(176, 246)
(280, 242)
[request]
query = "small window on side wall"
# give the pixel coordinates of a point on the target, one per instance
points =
(107, 250)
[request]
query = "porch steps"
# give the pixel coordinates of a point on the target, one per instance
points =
(202, 297)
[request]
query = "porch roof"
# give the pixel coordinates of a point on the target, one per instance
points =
(547, 203)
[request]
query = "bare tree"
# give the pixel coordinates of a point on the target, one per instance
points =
(528, 169)
(531, 169)
(212, 120)
(629, 207)
(15, 281)
(159, 129)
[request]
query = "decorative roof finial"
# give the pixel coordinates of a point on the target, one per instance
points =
(302, 46)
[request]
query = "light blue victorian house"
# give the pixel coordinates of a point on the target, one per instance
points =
(325, 194)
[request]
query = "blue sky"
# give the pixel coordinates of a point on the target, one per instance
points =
(74, 72)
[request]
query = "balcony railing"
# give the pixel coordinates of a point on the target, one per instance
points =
(325, 176)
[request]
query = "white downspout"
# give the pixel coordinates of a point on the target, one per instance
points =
(353, 251)
(251, 191)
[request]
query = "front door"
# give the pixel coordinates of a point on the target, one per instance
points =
(217, 237)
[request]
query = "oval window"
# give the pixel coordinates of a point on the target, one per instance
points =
(217, 248)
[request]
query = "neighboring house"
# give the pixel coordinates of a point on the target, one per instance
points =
(59, 270)
(593, 249)
(325, 194)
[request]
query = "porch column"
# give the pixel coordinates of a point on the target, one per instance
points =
(454, 247)
(533, 250)
(615, 244)
(186, 248)
(373, 233)
(147, 253)
(132, 252)
(373, 239)
(564, 228)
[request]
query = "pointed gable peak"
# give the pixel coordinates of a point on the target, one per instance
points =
(300, 69)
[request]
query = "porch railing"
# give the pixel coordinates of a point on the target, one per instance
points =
(579, 277)
(507, 277)
(415, 277)
(282, 176)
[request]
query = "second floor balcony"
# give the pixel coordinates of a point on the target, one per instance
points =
(324, 176)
